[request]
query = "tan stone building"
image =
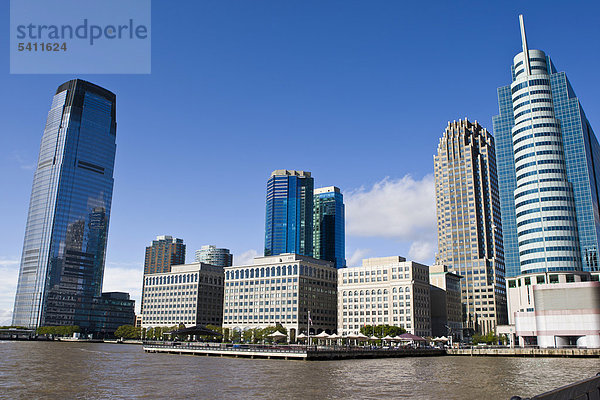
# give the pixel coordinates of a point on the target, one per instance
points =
(384, 291)
(281, 289)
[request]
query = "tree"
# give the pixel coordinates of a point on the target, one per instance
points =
(63, 331)
(488, 338)
(382, 330)
(128, 332)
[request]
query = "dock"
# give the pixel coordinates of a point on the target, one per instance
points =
(288, 352)
(525, 352)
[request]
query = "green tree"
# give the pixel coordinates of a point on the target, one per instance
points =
(128, 332)
(488, 338)
(382, 330)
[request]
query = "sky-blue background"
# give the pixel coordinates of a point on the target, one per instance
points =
(353, 91)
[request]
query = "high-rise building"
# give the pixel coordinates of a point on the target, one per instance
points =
(289, 217)
(548, 164)
(469, 226)
(62, 264)
(212, 255)
(162, 253)
(329, 226)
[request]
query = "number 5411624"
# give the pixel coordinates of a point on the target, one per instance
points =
(42, 46)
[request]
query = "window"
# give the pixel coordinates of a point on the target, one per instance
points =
(540, 279)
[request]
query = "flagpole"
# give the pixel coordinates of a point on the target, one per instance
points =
(309, 324)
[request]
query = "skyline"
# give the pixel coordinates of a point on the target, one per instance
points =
(341, 108)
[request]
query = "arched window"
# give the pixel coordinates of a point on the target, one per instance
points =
(247, 273)
(355, 293)
(362, 293)
(278, 271)
(385, 291)
(267, 272)
(227, 275)
(302, 270)
(195, 277)
(283, 270)
(343, 294)
(272, 271)
(237, 274)
(256, 272)
(407, 289)
(295, 269)
(251, 273)
(379, 291)
(262, 272)
(373, 292)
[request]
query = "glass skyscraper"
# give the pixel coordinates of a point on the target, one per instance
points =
(289, 216)
(469, 224)
(329, 226)
(212, 255)
(548, 164)
(62, 264)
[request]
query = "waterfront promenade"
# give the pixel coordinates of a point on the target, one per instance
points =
(288, 352)
(493, 351)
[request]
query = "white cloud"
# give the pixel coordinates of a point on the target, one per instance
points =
(399, 209)
(357, 256)
(27, 165)
(9, 272)
(422, 251)
(119, 278)
(246, 258)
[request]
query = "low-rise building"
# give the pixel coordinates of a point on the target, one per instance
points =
(446, 307)
(191, 294)
(281, 289)
(384, 291)
(555, 309)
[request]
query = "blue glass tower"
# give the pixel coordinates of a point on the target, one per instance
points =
(548, 159)
(289, 220)
(329, 226)
(62, 264)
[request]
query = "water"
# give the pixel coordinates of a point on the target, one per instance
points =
(51, 370)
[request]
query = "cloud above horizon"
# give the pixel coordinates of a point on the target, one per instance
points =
(400, 209)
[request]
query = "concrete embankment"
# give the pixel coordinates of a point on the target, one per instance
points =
(524, 352)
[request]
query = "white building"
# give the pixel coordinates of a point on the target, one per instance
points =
(384, 291)
(555, 309)
(191, 294)
(281, 289)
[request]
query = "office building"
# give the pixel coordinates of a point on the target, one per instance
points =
(469, 225)
(384, 291)
(162, 253)
(110, 311)
(329, 226)
(555, 309)
(281, 290)
(289, 216)
(548, 161)
(190, 294)
(212, 255)
(62, 264)
(446, 307)
(549, 191)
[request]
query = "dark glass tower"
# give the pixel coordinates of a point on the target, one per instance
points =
(289, 220)
(548, 169)
(329, 227)
(62, 264)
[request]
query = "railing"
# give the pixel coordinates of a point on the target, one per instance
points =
(588, 389)
(292, 348)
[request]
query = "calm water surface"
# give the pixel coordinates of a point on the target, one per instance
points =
(46, 370)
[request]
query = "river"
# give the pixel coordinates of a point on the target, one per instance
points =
(53, 370)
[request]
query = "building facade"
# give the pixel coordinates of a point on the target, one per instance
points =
(384, 291)
(548, 164)
(289, 214)
(62, 264)
(191, 294)
(162, 253)
(212, 255)
(329, 237)
(555, 309)
(446, 307)
(110, 311)
(281, 290)
(469, 224)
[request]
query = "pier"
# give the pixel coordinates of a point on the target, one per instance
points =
(524, 352)
(288, 352)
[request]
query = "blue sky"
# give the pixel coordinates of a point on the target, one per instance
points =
(357, 92)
